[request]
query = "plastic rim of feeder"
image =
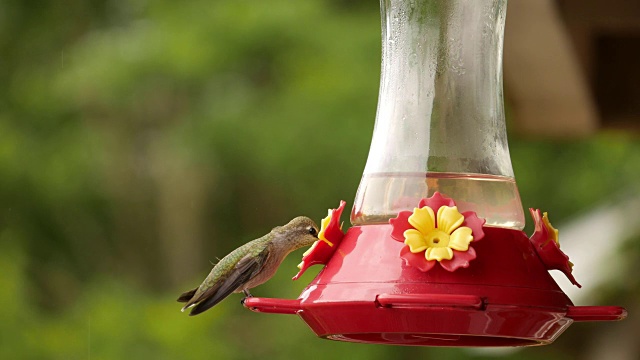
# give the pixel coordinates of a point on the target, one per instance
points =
(506, 298)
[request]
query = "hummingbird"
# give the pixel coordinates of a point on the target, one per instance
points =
(250, 265)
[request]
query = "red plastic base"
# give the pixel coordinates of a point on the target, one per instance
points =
(367, 294)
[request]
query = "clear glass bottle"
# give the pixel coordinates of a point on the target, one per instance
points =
(440, 122)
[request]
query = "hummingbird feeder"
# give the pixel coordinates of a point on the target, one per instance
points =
(436, 255)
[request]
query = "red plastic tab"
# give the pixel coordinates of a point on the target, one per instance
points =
(429, 300)
(596, 313)
(272, 306)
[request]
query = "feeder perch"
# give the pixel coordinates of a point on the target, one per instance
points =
(436, 255)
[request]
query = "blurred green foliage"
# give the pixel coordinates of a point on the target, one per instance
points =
(141, 139)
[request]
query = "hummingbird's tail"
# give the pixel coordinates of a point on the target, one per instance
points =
(185, 297)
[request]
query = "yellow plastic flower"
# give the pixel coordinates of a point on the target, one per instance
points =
(324, 224)
(546, 243)
(553, 232)
(437, 235)
(329, 238)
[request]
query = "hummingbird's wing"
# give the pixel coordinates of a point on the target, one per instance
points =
(186, 296)
(245, 269)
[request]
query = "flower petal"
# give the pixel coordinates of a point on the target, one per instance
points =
(438, 253)
(423, 220)
(553, 232)
(416, 260)
(324, 223)
(460, 260)
(415, 241)
(436, 201)
(449, 218)
(400, 224)
(471, 220)
(460, 239)
(310, 250)
(333, 233)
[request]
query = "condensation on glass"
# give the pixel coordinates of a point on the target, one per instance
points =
(440, 122)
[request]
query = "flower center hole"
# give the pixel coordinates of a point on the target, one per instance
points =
(436, 240)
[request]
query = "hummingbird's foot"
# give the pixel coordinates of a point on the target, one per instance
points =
(247, 295)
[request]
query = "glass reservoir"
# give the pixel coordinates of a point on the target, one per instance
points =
(440, 122)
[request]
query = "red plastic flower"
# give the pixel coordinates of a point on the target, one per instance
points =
(545, 241)
(329, 238)
(436, 232)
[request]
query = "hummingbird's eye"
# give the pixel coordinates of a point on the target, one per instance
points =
(312, 231)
